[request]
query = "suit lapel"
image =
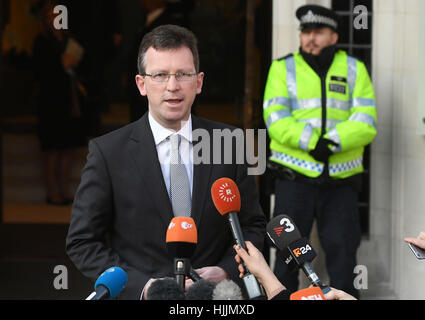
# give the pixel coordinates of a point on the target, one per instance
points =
(143, 150)
(201, 179)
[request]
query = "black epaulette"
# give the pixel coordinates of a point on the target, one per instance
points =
(285, 57)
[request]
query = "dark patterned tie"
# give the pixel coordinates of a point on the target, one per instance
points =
(179, 182)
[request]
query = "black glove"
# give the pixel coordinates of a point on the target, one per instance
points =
(322, 152)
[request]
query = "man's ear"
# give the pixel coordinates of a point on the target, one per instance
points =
(199, 82)
(335, 38)
(140, 82)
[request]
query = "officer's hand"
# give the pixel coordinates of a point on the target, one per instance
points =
(322, 152)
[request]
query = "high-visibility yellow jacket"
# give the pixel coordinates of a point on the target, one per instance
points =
(293, 100)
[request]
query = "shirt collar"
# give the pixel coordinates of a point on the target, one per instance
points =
(160, 133)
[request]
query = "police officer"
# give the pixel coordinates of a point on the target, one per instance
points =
(320, 112)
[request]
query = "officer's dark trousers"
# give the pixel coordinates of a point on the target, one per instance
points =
(335, 209)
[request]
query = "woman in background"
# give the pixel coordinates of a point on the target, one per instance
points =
(60, 126)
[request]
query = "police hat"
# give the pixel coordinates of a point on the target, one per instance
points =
(315, 17)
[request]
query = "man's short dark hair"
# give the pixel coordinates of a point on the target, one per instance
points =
(167, 37)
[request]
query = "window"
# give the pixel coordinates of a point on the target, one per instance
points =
(358, 43)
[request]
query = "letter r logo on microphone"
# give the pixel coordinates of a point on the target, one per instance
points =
(297, 252)
(225, 195)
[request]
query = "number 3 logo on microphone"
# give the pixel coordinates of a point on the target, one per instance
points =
(287, 223)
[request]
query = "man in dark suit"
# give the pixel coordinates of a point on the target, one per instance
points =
(122, 207)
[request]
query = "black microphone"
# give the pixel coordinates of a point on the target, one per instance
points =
(227, 200)
(194, 275)
(109, 284)
(201, 290)
(165, 289)
(181, 240)
(296, 250)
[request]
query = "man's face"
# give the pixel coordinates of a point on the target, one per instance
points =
(314, 40)
(170, 102)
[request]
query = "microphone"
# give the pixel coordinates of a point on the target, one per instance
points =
(165, 289)
(181, 239)
(109, 284)
(201, 290)
(296, 250)
(313, 293)
(227, 200)
(194, 275)
(227, 290)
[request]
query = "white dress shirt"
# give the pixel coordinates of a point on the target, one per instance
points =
(161, 136)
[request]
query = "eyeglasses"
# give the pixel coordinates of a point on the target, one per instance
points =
(164, 77)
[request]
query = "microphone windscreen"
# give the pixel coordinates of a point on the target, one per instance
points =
(227, 290)
(313, 293)
(181, 237)
(114, 279)
(182, 229)
(225, 195)
(201, 290)
(282, 231)
(165, 289)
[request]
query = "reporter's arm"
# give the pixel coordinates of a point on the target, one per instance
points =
(258, 266)
(419, 241)
(251, 218)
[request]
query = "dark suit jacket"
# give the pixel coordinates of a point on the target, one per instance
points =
(122, 210)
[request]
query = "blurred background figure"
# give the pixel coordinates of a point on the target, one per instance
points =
(96, 24)
(59, 104)
(157, 12)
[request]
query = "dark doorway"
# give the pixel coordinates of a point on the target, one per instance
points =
(32, 232)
